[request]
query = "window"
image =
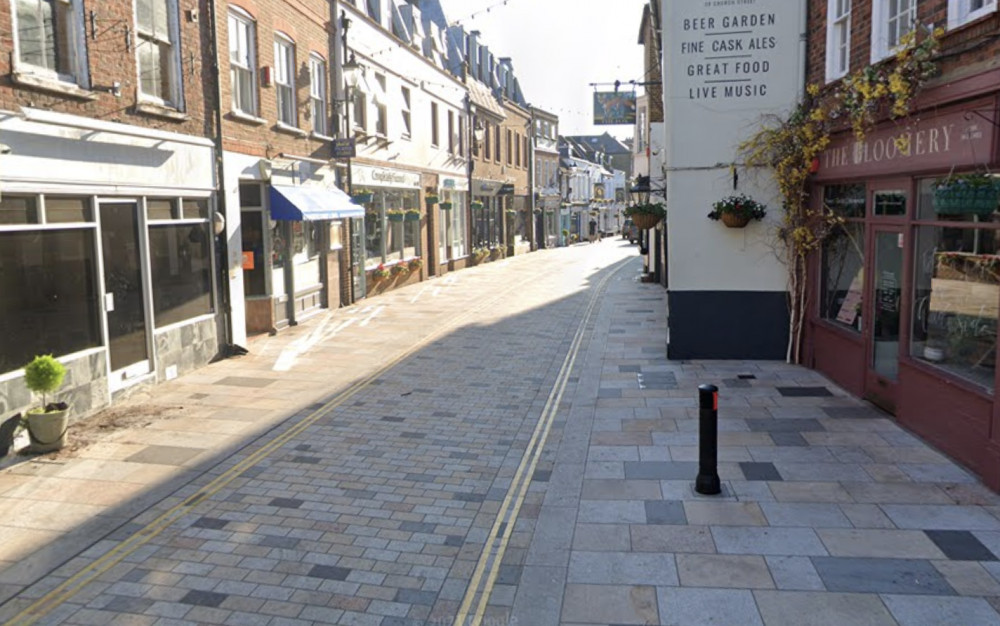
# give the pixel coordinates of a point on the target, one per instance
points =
(510, 148)
(434, 124)
(242, 63)
(159, 57)
(892, 20)
(838, 39)
(360, 117)
(375, 10)
(527, 151)
(381, 114)
(284, 80)
(964, 11)
(451, 132)
(317, 95)
(496, 143)
(405, 112)
(843, 258)
(517, 149)
(50, 39)
(461, 136)
(180, 261)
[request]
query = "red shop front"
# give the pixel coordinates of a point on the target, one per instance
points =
(905, 294)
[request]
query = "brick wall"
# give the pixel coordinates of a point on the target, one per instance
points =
(111, 58)
(965, 49)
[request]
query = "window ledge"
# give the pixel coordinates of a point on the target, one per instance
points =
(158, 110)
(282, 127)
(52, 85)
(240, 116)
(319, 137)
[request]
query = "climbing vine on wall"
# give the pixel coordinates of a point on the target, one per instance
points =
(790, 147)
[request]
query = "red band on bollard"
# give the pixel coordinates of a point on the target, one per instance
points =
(715, 401)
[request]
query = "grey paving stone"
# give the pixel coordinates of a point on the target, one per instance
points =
(663, 512)
(688, 607)
(932, 610)
(659, 470)
(621, 568)
(858, 542)
(609, 604)
(810, 515)
(794, 573)
(724, 570)
(212, 523)
(803, 608)
(788, 439)
(203, 598)
(941, 517)
(672, 539)
(864, 575)
(760, 471)
(714, 513)
(612, 512)
(786, 425)
(767, 541)
(853, 412)
(610, 489)
(960, 545)
(539, 596)
(164, 455)
(602, 537)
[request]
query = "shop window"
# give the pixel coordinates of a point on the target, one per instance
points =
(48, 293)
(196, 209)
(842, 288)
(889, 203)
(388, 239)
(62, 210)
(18, 209)
(957, 291)
(180, 261)
(50, 39)
(955, 204)
(845, 200)
(251, 195)
(160, 209)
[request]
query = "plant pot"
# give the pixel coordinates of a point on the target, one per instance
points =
(411, 217)
(934, 355)
(47, 431)
(731, 220)
(445, 206)
(394, 217)
(645, 220)
(362, 198)
(981, 200)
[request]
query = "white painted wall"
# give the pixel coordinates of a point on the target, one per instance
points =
(705, 122)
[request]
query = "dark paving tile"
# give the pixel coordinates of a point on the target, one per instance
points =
(609, 393)
(413, 596)
(392, 620)
(419, 478)
(853, 412)
(465, 456)
(443, 414)
(746, 376)
(788, 439)
(626, 369)
(960, 545)
(360, 494)
(164, 455)
(736, 383)
(417, 527)
(509, 574)
(413, 435)
(273, 541)
(786, 425)
(665, 513)
(391, 418)
(212, 523)
(302, 447)
(542, 476)
(329, 572)
(639, 311)
(660, 470)
(468, 497)
(198, 396)
(760, 471)
(245, 381)
(454, 541)
(898, 576)
(286, 503)
(203, 598)
(309, 460)
(804, 392)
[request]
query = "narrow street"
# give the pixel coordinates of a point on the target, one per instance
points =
(505, 445)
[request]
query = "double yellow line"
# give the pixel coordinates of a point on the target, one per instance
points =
(477, 595)
(74, 584)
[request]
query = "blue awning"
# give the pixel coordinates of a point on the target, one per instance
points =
(312, 203)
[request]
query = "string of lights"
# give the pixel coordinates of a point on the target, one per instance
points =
(473, 16)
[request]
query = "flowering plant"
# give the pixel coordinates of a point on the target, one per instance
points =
(650, 208)
(475, 204)
(380, 272)
(416, 263)
(399, 269)
(431, 199)
(742, 206)
(394, 212)
(966, 181)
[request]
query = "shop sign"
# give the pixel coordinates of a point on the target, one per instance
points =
(485, 187)
(248, 263)
(506, 189)
(455, 184)
(363, 176)
(958, 139)
(344, 148)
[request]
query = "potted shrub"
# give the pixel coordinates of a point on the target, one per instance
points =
(415, 264)
(646, 215)
(46, 424)
(737, 211)
(395, 215)
(412, 215)
(977, 193)
(445, 206)
(380, 273)
(430, 199)
(475, 205)
(399, 269)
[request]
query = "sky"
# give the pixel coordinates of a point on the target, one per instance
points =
(559, 47)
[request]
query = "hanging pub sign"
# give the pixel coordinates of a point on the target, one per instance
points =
(344, 148)
(614, 107)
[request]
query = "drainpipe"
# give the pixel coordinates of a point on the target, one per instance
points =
(229, 348)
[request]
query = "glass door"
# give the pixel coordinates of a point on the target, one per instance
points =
(124, 295)
(357, 226)
(885, 300)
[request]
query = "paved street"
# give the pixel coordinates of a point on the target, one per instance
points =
(505, 445)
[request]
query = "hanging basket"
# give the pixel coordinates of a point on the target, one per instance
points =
(445, 206)
(959, 199)
(732, 220)
(394, 217)
(362, 198)
(645, 220)
(411, 217)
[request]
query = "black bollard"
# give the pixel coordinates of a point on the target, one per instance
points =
(707, 482)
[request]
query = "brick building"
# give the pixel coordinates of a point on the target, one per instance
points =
(108, 254)
(906, 293)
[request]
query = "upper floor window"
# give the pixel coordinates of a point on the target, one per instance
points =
(892, 20)
(434, 124)
(243, 62)
(158, 51)
(496, 143)
(317, 94)
(451, 132)
(284, 80)
(510, 148)
(375, 10)
(963, 11)
(838, 39)
(461, 136)
(381, 114)
(405, 111)
(50, 39)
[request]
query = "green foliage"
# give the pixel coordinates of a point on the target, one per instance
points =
(650, 208)
(741, 205)
(44, 375)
